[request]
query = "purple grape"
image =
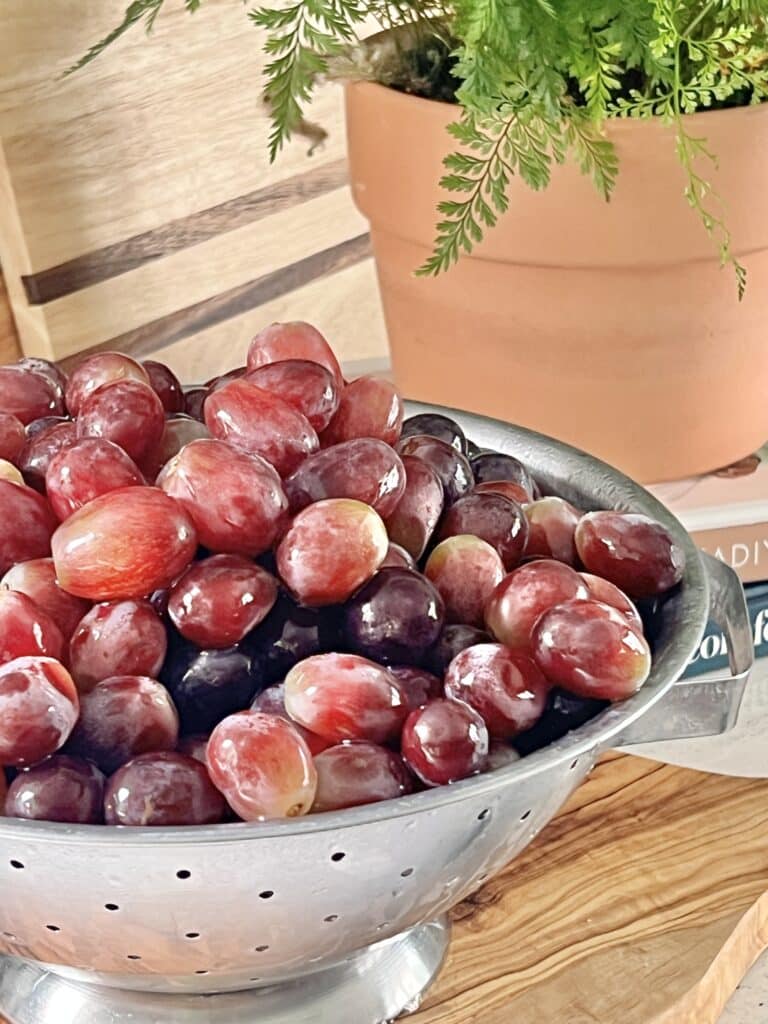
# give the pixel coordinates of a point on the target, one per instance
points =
(395, 618)
(496, 466)
(434, 424)
(289, 634)
(206, 686)
(452, 641)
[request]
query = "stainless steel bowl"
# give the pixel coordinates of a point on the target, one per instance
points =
(341, 917)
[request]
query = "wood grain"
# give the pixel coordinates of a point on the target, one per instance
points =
(642, 903)
(9, 342)
(140, 189)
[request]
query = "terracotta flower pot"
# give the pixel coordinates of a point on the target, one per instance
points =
(608, 325)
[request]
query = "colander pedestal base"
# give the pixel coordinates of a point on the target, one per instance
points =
(374, 986)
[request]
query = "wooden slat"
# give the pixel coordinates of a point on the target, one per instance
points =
(138, 251)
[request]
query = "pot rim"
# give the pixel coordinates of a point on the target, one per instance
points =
(595, 735)
(619, 124)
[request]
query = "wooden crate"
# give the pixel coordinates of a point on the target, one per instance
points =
(138, 208)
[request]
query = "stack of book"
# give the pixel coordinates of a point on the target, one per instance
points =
(726, 513)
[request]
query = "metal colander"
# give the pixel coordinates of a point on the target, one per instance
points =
(339, 917)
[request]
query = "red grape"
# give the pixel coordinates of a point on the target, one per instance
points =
(330, 550)
(508, 488)
(127, 412)
(351, 774)
(26, 524)
(40, 450)
(62, 788)
(364, 469)
(609, 593)
(414, 518)
(46, 368)
(503, 686)
(162, 789)
(591, 649)
(27, 630)
(37, 579)
(451, 466)
(121, 717)
(444, 742)
(308, 387)
(552, 526)
(262, 766)
(395, 618)
(38, 709)
(178, 432)
(493, 518)
(95, 371)
(369, 407)
(84, 471)
(28, 396)
(633, 551)
(234, 499)
(465, 570)
(119, 638)
(296, 340)
(345, 697)
(12, 436)
(260, 423)
(496, 466)
(166, 385)
(220, 599)
(9, 472)
(434, 424)
(398, 558)
(272, 702)
(126, 543)
(194, 400)
(418, 685)
(525, 594)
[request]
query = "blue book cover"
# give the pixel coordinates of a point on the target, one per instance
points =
(713, 650)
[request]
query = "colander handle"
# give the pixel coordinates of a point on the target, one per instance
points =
(702, 706)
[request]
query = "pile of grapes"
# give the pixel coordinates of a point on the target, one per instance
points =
(271, 596)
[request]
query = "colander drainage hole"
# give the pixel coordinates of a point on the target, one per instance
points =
(133, 956)
(201, 972)
(331, 918)
(192, 935)
(574, 764)
(183, 874)
(336, 857)
(17, 864)
(255, 979)
(266, 895)
(484, 814)
(111, 907)
(261, 949)
(407, 873)
(53, 928)
(524, 816)
(10, 936)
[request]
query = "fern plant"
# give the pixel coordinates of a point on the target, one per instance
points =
(534, 81)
